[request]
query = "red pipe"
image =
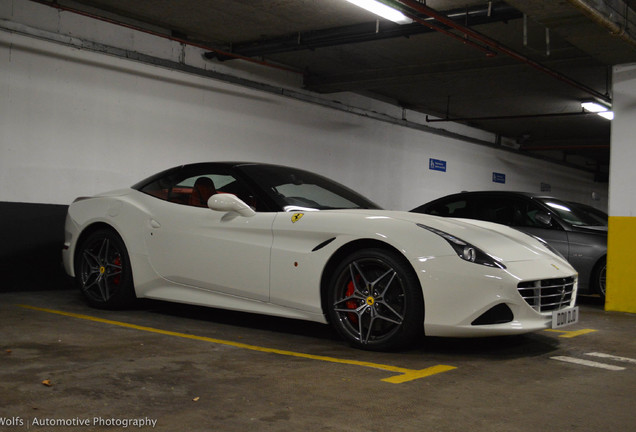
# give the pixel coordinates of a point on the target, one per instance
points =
(466, 41)
(419, 7)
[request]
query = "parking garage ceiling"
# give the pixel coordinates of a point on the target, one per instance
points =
(518, 68)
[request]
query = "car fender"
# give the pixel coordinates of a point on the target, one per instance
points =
(304, 250)
(122, 214)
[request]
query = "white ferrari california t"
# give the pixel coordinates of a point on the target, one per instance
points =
(281, 241)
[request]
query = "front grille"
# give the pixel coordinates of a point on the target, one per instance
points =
(548, 294)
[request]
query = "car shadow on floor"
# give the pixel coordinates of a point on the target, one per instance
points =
(501, 347)
(240, 319)
(591, 300)
(319, 336)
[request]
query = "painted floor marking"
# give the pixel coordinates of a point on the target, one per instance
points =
(612, 357)
(405, 375)
(588, 363)
(571, 333)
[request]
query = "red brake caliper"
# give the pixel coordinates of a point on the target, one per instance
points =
(117, 278)
(352, 304)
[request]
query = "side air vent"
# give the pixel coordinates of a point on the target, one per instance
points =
(499, 314)
(323, 244)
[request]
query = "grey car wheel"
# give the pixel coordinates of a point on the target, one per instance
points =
(598, 278)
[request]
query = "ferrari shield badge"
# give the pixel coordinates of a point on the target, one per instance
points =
(296, 217)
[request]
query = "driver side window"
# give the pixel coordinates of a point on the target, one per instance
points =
(526, 216)
(195, 188)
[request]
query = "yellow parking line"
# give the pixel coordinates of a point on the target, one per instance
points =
(571, 334)
(405, 375)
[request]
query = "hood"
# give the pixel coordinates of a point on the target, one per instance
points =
(500, 241)
(601, 230)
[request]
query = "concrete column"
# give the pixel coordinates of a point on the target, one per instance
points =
(621, 252)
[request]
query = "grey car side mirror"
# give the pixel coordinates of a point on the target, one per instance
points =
(544, 218)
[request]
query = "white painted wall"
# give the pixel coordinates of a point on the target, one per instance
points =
(75, 122)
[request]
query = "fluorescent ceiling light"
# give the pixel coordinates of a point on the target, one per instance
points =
(593, 107)
(382, 10)
(599, 109)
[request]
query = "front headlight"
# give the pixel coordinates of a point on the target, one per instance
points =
(465, 250)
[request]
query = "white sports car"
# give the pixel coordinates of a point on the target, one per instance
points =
(281, 241)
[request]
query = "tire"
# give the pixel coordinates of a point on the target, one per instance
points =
(103, 272)
(598, 277)
(375, 301)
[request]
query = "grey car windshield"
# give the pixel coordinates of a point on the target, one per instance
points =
(569, 213)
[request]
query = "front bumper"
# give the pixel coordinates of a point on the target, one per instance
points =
(464, 299)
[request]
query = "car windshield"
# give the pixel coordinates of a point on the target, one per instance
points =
(598, 215)
(571, 213)
(293, 189)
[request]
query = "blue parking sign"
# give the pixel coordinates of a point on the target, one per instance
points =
(498, 177)
(437, 165)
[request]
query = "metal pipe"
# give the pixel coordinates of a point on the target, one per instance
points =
(598, 17)
(420, 8)
(508, 117)
(564, 147)
(465, 41)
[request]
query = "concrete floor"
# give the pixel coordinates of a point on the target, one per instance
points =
(197, 369)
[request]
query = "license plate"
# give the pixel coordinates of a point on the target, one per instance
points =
(565, 317)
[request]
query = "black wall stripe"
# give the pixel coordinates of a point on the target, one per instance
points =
(31, 240)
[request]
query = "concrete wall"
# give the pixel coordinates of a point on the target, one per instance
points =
(75, 122)
(77, 118)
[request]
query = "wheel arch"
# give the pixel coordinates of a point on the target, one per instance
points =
(348, 249)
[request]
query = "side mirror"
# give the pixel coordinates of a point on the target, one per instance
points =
(230, 203)
(543, 218)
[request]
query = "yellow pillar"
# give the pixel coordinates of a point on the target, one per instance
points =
(621, 268)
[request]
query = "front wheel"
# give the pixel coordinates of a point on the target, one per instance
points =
(102, 270)
(375, 301)
(598, 277)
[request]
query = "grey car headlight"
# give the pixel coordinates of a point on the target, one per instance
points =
(465, 250)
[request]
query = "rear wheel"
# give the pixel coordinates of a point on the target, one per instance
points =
(375, 300)
(102, 270)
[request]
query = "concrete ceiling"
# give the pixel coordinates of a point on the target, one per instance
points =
(518, 68)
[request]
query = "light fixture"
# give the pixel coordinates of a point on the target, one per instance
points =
(600, 109)
(606, 114)
(382, 10)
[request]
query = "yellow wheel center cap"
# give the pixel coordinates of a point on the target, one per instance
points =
(370, 301)
(102, 269)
